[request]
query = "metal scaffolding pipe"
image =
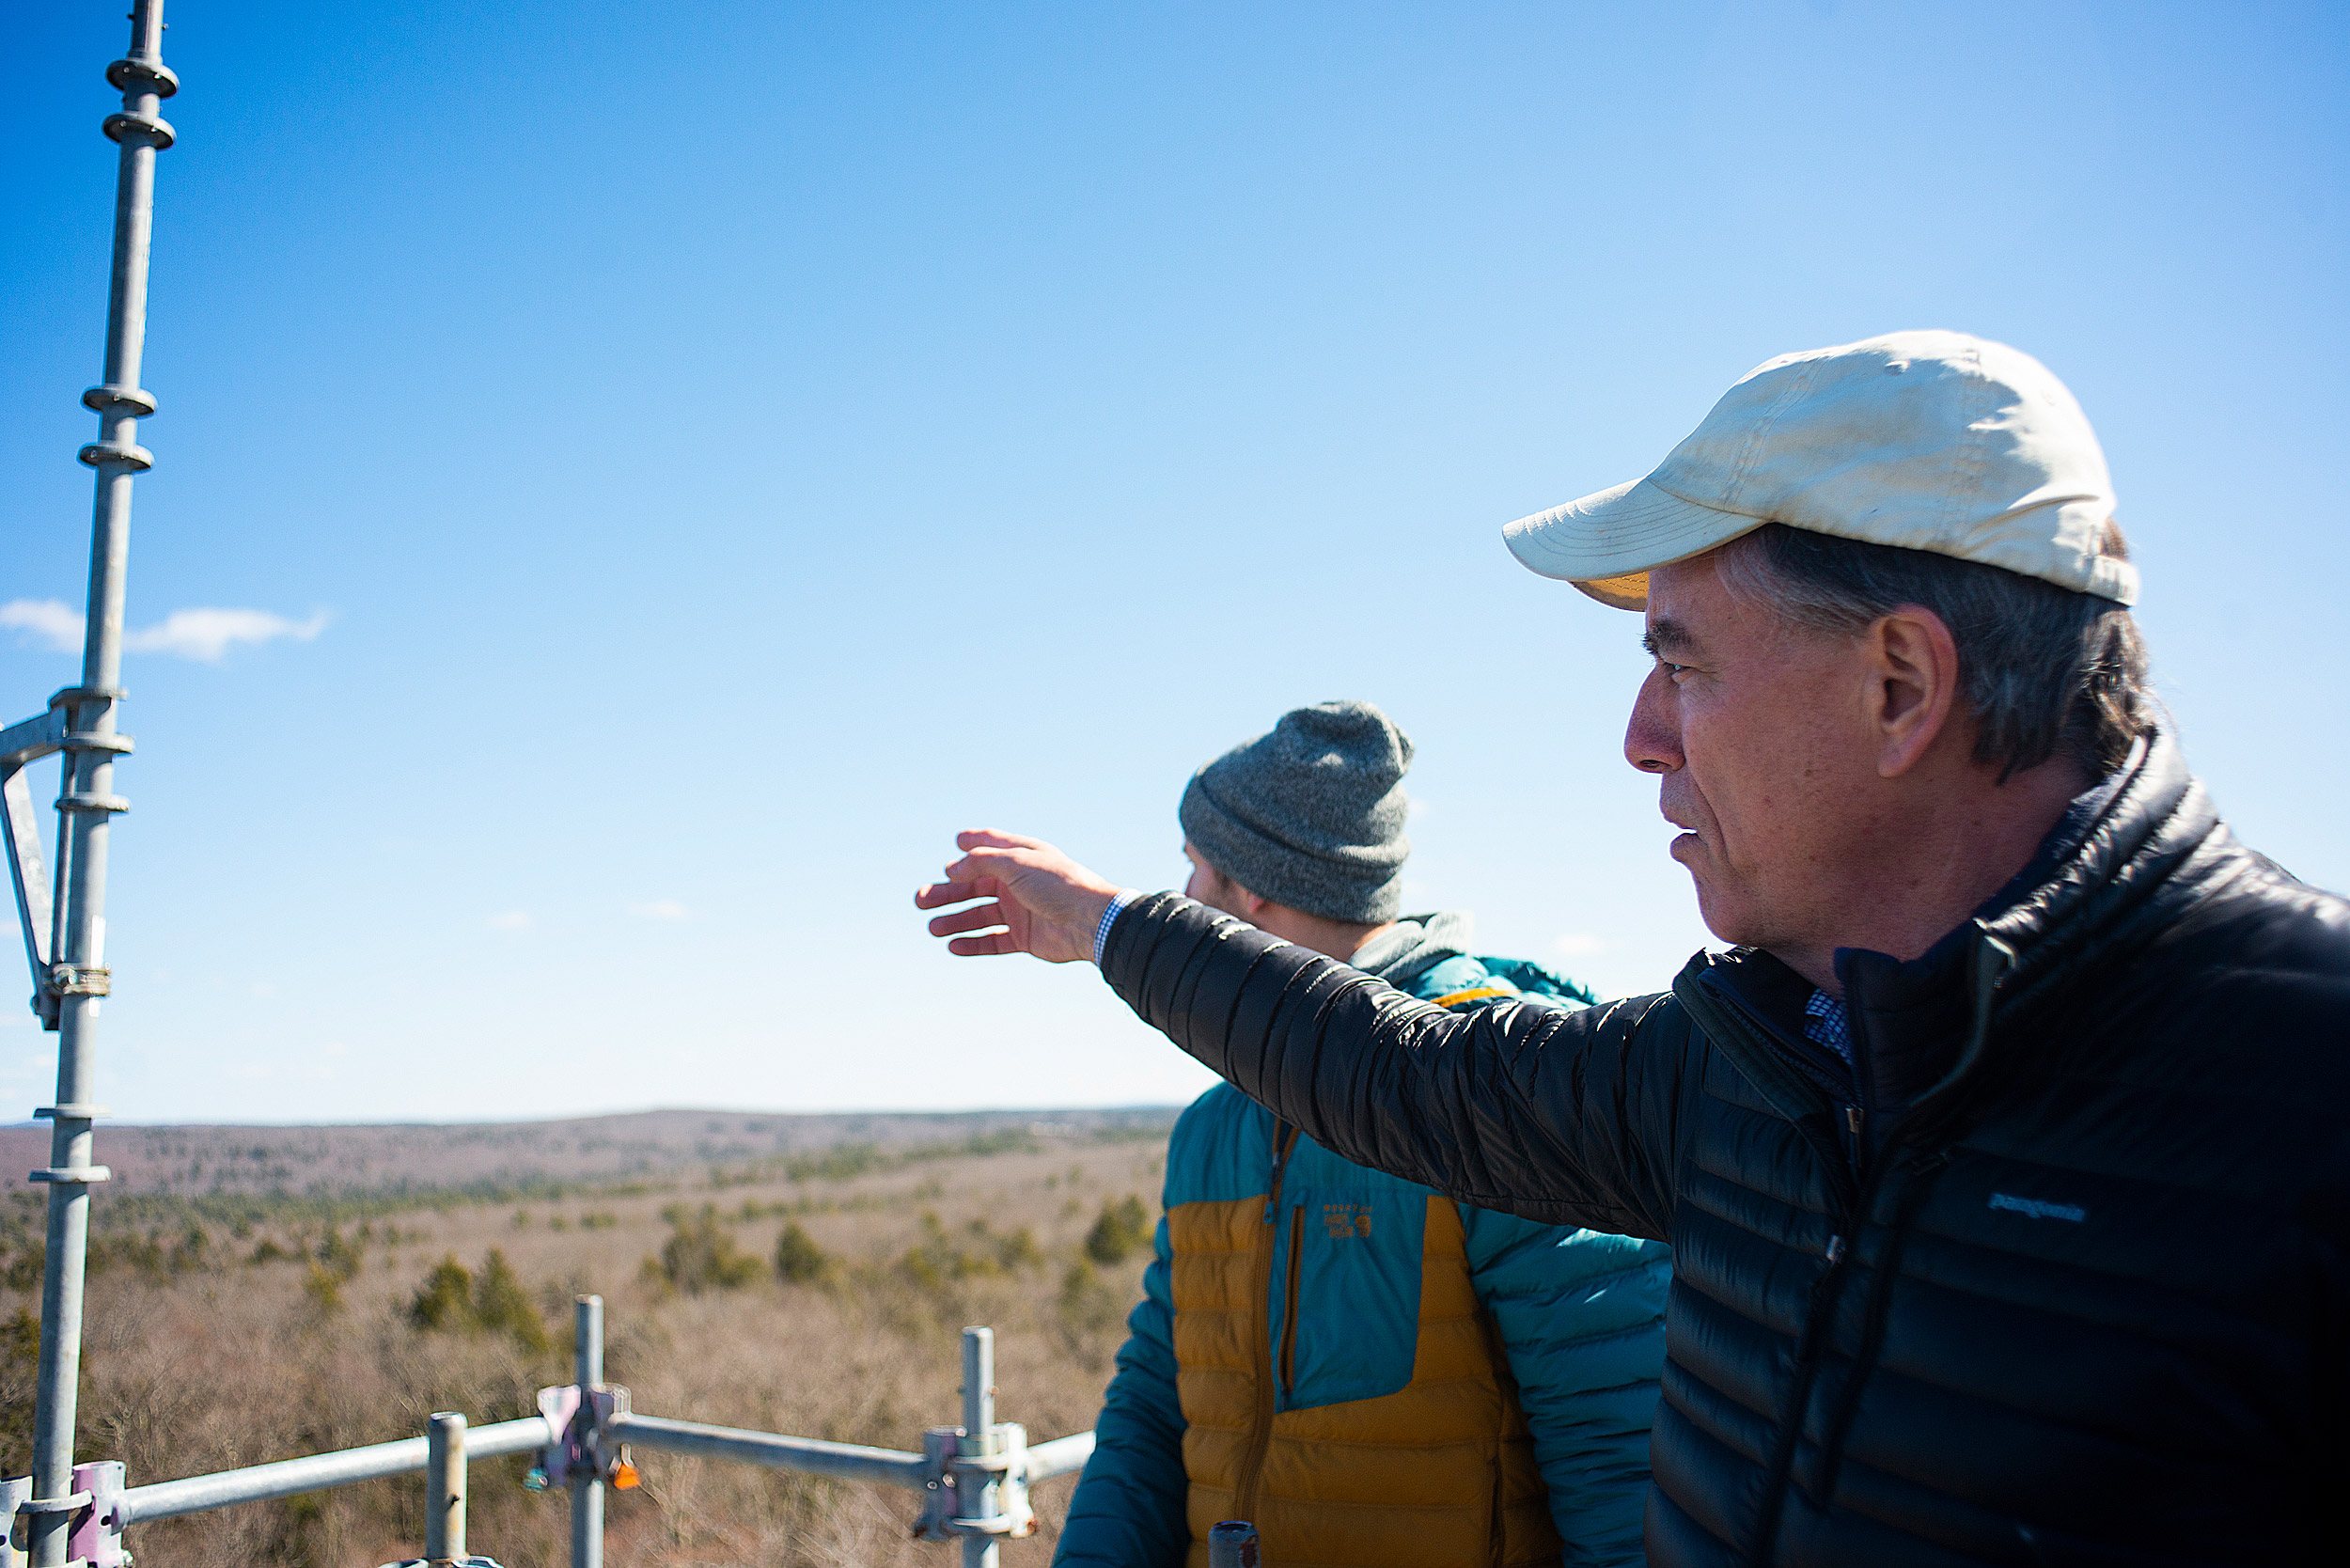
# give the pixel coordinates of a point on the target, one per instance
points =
(168, 1500)
(809, 1455)
(1232, 1544)
(1060, 1457)
(976, 1490)
(587, 1373)
(444, 1488)
(77, 976)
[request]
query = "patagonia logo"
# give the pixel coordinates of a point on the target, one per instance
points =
(2038, 1208)
(1345, 1220)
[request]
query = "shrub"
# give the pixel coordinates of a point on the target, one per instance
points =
(1087, 1309)
(501, 1306)
(1120, 1230)
(701, 1254)
(192, 1252)
(799, 1261)
(24, 1270)
(445, 1300)
(453, 1298)
(324, 1287)
(1019, 1250)
(338, 1257)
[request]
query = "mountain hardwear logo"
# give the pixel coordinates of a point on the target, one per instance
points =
(2038, 1208)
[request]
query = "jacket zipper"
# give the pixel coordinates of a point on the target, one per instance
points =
(1289, 1312)
(1989, 966)
(1733, 1028)
(1261, 1339)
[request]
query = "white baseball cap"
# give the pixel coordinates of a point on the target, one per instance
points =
(1924, 440)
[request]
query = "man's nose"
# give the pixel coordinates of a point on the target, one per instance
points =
(1652, 743)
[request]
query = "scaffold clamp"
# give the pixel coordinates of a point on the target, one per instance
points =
(951, 1498)
(579, 1453)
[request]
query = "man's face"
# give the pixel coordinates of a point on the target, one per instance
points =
(1211, 886)
(1756, 729)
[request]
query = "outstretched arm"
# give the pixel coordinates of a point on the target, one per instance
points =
(1569, 1118)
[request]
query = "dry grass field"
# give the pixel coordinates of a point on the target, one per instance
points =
(227, 1331)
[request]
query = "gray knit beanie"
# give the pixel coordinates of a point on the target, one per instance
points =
(1309, 814)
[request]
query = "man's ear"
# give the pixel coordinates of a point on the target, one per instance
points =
(1912, 664)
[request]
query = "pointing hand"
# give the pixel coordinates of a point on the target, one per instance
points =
(1033, 899)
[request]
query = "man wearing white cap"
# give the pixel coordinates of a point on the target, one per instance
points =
(2006, 1154)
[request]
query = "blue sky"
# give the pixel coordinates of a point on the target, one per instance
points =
(682, 462)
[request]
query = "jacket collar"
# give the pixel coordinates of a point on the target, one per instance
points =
(1923, 1029)
(1415, 945)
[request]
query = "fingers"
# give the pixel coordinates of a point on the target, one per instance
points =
(998, 945)
(989, 837)
(939, 893)
(988, 865)
(980, 916)
(1025, 896)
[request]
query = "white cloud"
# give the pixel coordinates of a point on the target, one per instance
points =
(660, 909)
(512, 920)
(1581, 944)
(207, 633)
(1415, 807)
(51, 621)
(203, 633)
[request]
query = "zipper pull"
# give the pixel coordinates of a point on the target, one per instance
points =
(1835, 1250)
(1283, 1135)
(1854, 1116)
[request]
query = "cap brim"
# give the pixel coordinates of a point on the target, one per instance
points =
(1606, 544)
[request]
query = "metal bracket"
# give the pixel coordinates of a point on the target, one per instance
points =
(94, 1534)
(578, 1416)
(87, 979)
(135, 457)
(958, 1478)
(157, 77)
(155, 130)
(97, 1537)
(36, 899)
(22, 829)
(120, 399)
(67, 1175)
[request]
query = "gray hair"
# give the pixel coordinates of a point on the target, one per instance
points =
(2045, 670)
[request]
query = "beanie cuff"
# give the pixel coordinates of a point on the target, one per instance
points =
(1317, 884)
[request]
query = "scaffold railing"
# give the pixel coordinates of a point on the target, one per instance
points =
(973, 1479)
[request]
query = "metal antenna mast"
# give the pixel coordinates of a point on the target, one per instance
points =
(65, 930)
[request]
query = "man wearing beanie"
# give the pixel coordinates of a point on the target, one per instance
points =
(1371, 1372)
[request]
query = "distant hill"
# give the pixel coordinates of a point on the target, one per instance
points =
(331, 1161)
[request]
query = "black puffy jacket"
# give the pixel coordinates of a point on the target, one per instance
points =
(2064, 1278)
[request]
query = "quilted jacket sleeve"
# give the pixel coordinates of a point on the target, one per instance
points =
(1128, 1510)
(1568, 1118)
(1582, 1317)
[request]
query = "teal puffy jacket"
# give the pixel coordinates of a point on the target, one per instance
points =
(1580, 1313)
